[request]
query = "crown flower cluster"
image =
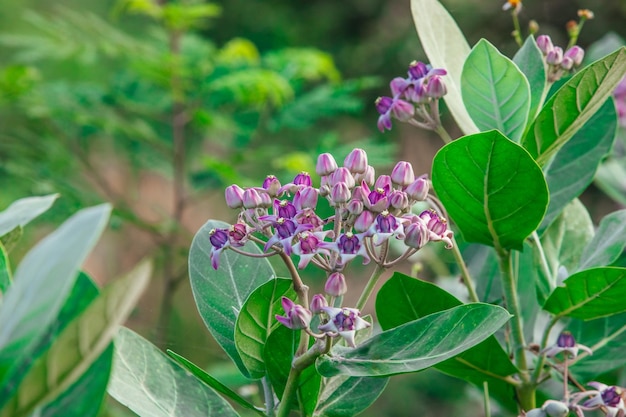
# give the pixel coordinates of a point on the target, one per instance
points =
(559, 62)
(414, 98)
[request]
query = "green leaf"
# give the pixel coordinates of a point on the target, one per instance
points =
(606, 337)
(581, 154)
(10, 239)
(79, 345)
(220, 294)
(446, 48)
(492, 189)
(212, 382)
(495, 92)
(590, 294)
(573, 105)
(43, 280)
(278, 354)
(608, 243)
(529, 60)
(418, 344)
(5, 271)
(257, 320)
(608, 178)
(146, 381)
(345, 396)
(562, 243)
(414, 299)
(22, 211)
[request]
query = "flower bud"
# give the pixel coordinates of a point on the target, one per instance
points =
(336, 284)
(306, 198)
(326, 165)
(303, 178)
(342, 174)
(234, 196)
(296, 317)
(544, 42)
(398, 200)
(418, 189)
(402, 174)
(369, 176)
(252, 198)
(435, 88)
(271, 185)
(266, 200)
(356, 161)
(555, 56)
(417, 70)
(318, 302)
(567, 63)
(238, 234)
(576, 54)
(585, 14)
(533, 26)
(364, 221)
(415, 235)
(556, 409)
(384, 182)
(340, 193)
(355, 207)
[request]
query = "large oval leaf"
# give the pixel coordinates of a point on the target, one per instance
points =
(495, 92)
(529, 60)
(492, 189)
(581, 154)
(257, 319)
(418, 344)
(347, 396)
(590, 294)
(220, 294)
(608, 243)
(573, 105)
(145, 380)
(23, 211)
(447, 48)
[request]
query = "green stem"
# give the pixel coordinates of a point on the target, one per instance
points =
(367, 291)
(526, 391)
(486, 399)
(536, 377)
(298, 365)
(543, 259)
(269, 396)
(517, 32)
(465, 274)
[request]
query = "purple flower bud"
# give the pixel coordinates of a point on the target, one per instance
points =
(336, 285)
(359, 193)
(383, 181)
(340, 193)
(398, 200)
(576, 54)
(545, 44)
(369, 176)
(356, 161)
(303, 178)
(266, 200)
(305, 198)
(398, 86)
(566, 340)
(296, 317)
(271, 185)
(435, 88)
(555, 56)
(252, 198)
(418, 189)
(396, 107)
(355, 206)
(326, 165)
(238, 234)
(218, 238)
(364, 221)
(342, 174)
(402, 174)
(234, 196)
(567, 63)
(417, 70)
(416, 235)
(318, 302)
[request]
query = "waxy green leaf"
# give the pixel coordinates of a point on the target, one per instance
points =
(581, 154)
(418, 344)
(529, 60)
(573, 105)
(590, 294)
(79, 344)
(5, 271)
(257, 319)
(152, 385)
(492, 189)
(345, 396)
(22, 211)
(220, 294)
(608, 243)
(495, 92)
(414, 299)
(446, 48)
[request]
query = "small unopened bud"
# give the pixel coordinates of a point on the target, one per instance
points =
(355, 207)
(383, 182)
(252, 198)
(318, 302)
(398, 200)
(545, 44)
(296, 317)
(572, 28)
(533, 26)
(576, 54)
(342, 174)
(271, 185)
(435, 88)
(369, 176)
(418, 189)
(306, 198)
(585, 14)
(364, 221)
(556, 409)
(336, 284)
(356, 161)
(415, 235)
(340, 193)
(402, 174)
(326, 165)
(565, 340)
(417, 70)
(555, 56)
(266, 200)
(567, 63)
(234, 196)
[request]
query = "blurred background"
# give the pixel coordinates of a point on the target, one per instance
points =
(156, 106)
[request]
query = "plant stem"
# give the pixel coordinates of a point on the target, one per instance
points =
(517, 32)
(298, 365)
(367, 291)
(526, 391)
(486, 399)
(465, 274)
(268, 395)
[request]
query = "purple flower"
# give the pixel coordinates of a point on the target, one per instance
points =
(566, 343)
(296, 317)
(219, 241)
(607, 396)
(437, 227)
(349, 246)
(344, 322)
(285, 231)
(392, 107)
(271, 185)
(385, 226)
(308, 245)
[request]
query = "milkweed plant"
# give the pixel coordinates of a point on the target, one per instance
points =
(540, 324)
